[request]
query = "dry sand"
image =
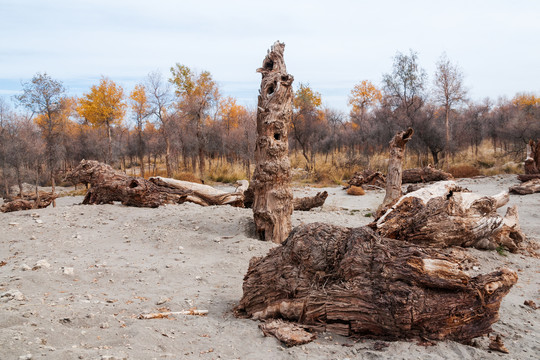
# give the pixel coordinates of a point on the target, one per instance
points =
(102, 266)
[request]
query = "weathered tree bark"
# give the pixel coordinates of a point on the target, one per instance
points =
(28, 201)
(442, 215)
(532, 162)
(528, 187)
(288, 333)
(109, 185)
(309, 202)
(395, 168)
(355, 283)
(272, 204)
(367, 177)
(425, 174)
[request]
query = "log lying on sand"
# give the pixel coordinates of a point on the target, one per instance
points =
(528, 187)
(28, 201)
(300, 204)
(532, 162)
(425, 174)
(108, 185)
(442, 215)
(356, 283)
(367, 177)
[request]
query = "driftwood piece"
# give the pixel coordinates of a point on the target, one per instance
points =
(528, 187)
(288, 333)
(356, 283)
(309, 202)
(272, 204)
(28, 201)
(425, 174)
(367, 177)
(395, 168)
(168, 314)
(441, 215)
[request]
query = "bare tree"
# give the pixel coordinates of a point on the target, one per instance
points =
(448, 91)
(161, 102)
(44, 97)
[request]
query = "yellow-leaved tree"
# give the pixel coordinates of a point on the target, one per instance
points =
(104, 106)
(363, 96)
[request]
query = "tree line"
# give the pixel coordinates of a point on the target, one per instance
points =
(167, 125)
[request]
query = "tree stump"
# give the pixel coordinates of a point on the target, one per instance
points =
(272, 204)
(532, 162)
(442, 215)
(395, 167)
(354, 282)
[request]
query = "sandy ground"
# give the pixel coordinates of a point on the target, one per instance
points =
(76, 277)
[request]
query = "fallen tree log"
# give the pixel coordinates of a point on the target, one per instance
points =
(28, 201)
(442, 215)
(309, 202)
(109, 185)
(528, 187)
(528, 177)
(367, 177)
(353, 282)
(425, 174)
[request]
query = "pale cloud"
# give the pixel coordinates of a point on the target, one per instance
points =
(331, 45)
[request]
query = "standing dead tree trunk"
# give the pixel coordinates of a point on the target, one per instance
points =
(272, 204)
(109, 185)
(532, 162)
(356, 283)
(442, 215)
(395, 168)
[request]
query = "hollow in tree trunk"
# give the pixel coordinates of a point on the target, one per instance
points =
(272, 206)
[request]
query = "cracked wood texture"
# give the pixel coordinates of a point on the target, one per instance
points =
(425, 174)
(28, 201)
(353, 282)
(442, 215)
(272, 203)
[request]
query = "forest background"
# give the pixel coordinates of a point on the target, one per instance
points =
(179, 125)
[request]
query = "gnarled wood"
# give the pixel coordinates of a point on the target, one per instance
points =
(395, 167)
(528, 177)
(272, 204)
(288, 333)
(441, 215)
(28, 201)
(355, 283)
(528, 187)
(425, 174)
(109, 185)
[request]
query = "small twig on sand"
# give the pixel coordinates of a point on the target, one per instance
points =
(171, 313)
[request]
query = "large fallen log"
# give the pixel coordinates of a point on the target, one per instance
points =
(528, 177)
(28, 201)
(354, 282)
(309, 202)
(109, 185)
(528, 187)
(425, 174)
(442, 215)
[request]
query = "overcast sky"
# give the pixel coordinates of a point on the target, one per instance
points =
(332, 45)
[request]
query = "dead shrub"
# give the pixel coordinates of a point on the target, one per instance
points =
(356, 190)
(463, 171)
